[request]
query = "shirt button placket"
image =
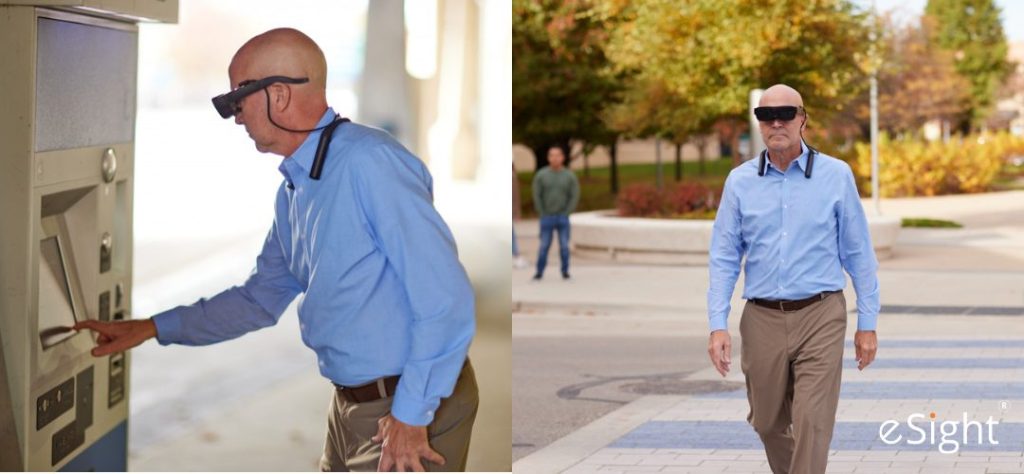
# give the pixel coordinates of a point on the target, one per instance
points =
(783, 197)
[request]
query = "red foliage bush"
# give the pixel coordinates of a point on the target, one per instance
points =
(687, 199)
(641, 199)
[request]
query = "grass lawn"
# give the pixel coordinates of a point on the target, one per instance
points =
(1010, 179)
(595, 191)
(930, 223)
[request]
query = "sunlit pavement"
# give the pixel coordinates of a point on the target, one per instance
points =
(951, 343)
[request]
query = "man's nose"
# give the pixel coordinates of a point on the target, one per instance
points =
(238, 118)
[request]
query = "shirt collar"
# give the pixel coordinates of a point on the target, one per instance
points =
(801, 160)
(301, 160)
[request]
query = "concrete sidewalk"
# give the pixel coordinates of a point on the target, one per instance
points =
(944, 365)
(951, 344)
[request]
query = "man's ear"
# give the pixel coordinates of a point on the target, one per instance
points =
(280, 97)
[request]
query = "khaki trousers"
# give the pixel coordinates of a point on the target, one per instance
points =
(350, 426)
(793, 364)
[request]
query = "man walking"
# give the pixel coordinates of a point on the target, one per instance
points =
(386, 305)
(796, 216)
(555, 194)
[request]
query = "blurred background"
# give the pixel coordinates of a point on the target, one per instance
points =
(434, 73)
(651, 96)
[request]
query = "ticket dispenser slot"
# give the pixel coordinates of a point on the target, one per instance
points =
(67, 149)
(56, 305)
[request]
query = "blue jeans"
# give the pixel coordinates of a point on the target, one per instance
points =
(515, 246)
(548, 225)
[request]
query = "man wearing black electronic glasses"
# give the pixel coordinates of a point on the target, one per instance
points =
(386, 305)
(797, 217)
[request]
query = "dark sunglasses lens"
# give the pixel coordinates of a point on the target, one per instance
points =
(225, 107)
(768, 114)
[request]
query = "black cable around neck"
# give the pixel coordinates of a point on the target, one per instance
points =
(336, 116)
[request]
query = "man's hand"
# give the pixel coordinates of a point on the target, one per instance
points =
(720, 350)
(403, 447)
(866, 343)
(118, 336)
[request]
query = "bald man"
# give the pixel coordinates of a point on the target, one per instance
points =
(796, 216)
(385, 304)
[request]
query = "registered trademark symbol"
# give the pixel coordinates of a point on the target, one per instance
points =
(1004, 405)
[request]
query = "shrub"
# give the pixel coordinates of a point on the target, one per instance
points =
(641, 199)
(929, 223)
(911, 167)
(682, 200)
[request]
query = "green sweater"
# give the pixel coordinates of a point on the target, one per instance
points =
(555, 192)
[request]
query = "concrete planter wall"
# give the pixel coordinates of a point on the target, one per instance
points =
(603, 235)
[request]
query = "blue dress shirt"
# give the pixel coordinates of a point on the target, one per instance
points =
(384, 292)
(798, 235)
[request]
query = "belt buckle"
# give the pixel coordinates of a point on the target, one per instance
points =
(782, 307)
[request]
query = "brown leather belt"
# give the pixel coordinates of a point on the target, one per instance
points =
(792, 305)
(376, 390)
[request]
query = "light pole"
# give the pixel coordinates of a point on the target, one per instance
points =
(874, 142)
(873, 58)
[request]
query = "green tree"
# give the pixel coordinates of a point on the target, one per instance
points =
(708, 55)
(560, 79)
(971, 30)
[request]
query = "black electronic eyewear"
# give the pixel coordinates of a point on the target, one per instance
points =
(784, 113)
(228, 105)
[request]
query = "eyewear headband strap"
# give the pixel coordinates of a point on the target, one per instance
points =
(249, 88)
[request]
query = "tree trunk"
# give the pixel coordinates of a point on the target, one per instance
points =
(566, 146)
(614, 169)
(657, 159)
(700, 152)
(735, 145)
(540, 157)
(679, 161)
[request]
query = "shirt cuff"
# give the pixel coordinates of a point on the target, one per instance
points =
(411, 412)
(168, 327)
(867, 322)
(718, 323)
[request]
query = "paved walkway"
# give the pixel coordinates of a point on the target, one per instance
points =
(951, 357)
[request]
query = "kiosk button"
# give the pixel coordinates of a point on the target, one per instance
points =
(108, 165)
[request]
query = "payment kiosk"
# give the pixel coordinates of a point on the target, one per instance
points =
(67, 126)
